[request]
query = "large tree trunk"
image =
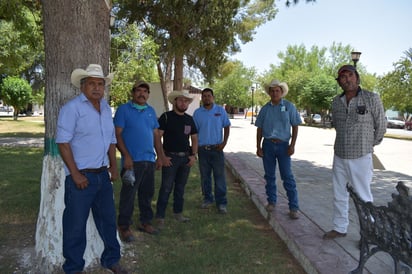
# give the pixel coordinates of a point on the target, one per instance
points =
(76, 34)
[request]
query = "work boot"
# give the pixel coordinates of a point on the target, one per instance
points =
(126, 234)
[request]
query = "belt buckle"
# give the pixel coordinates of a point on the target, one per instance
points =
(181, 154)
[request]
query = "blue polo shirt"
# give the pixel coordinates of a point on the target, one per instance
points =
(210, 124)
(88, 132)
(276, 120)
(137, 134)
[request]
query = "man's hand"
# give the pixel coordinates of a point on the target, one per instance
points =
(80, 180)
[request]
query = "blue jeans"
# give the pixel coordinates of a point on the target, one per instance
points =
(97, 196)
(212, 161)
(271, 153)
(173, 178)
(144, 186)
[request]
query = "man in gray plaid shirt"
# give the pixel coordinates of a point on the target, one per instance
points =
(359, 119)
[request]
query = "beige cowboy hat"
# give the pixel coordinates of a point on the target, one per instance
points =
(93, 70)
(276, 83)
(177, 93)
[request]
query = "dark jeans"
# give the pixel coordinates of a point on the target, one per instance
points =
(144, 186)
(271, 153)
(173, 178)
(212, 161)
(97, 196)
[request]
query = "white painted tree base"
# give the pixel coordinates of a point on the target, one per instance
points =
(49, 230)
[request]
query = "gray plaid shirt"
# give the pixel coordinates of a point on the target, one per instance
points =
(359, 125)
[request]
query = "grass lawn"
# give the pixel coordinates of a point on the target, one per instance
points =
(238, 242)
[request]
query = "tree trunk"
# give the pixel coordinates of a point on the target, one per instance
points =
(76, 34)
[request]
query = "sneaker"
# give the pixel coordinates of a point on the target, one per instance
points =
(293, 214)
(206, 205)
(118, 269)
(222, 209)
(148, 228)
(180, 218)
(126, 234)
(271, 207)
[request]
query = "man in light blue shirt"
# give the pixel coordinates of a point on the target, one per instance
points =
(87, 144)
(211, 120)
(274, 124)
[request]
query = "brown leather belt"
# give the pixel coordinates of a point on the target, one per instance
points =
(94, 170)
(276, 140)
(209, 147)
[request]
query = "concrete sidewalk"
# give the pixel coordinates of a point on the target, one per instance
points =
(311, 165)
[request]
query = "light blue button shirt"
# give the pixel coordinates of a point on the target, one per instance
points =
(276, 120)
(209, 124)
(88, 132)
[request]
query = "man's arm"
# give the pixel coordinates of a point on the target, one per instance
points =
(291, 149)
(194, 142)
(67, 155)
(121, 146)
(259, 151)
(163, 160)
(114, 173)
(226, 132)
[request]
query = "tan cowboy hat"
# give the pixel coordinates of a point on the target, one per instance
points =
(93, 70)
(276, 83)
(177, 93)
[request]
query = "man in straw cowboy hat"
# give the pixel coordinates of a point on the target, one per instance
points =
(136, 131)
(360, 124)
(87, 144)
(176, 127)
(274, 124)
(211, 121)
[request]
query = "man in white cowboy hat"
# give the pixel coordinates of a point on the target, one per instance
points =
(274, 124)
(179, 155)
(211, 121)
(87, 143)
(136, 132)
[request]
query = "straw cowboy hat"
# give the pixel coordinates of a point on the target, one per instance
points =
(276, 83)
(177, 93)
(93, 70)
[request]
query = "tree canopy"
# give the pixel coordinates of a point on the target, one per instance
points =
(15, 92)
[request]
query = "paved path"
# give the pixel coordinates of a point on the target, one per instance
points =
(312, 164)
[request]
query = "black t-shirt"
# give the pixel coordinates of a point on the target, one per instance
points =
(177, 129)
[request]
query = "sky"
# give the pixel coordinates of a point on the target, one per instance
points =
(380, 29)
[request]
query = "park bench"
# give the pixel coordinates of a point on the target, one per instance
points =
(386, 228)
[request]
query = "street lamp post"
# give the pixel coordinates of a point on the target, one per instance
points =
(355, 57)
(253, 93)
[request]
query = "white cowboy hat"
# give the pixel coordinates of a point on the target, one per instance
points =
(177, 93)
(276, 83)
(93, 70)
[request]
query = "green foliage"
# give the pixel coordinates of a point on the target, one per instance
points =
(198, 33)
(15, 92)
(395, 87)
(133, 57)
(310, 75)
(21, 37)
(234, 89)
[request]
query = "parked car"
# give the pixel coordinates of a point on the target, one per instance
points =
(394, 122)
(316, 118)
(408, 124)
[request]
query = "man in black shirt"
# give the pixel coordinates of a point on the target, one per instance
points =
(179, 155)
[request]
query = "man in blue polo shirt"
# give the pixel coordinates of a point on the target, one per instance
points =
(274, 124)
(210, 119)
(136, 128)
